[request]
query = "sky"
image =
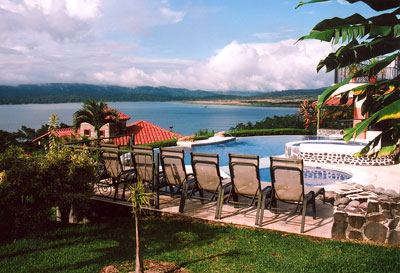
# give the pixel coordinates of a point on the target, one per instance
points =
(215, 45)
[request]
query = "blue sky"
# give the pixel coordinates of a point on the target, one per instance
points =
(198, 44)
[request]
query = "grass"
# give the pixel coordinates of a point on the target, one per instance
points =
(195, 246)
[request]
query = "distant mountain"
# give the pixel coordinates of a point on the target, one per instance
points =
(291, 93)
(61, 92)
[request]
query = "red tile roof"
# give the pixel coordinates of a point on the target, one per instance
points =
(146, 132)
(63, 132)
(143, 131)
(121, 115)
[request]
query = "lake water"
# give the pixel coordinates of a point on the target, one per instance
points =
(186, 119)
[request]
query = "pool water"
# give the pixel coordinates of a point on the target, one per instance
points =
(265, 146)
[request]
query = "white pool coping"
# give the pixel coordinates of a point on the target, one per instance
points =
(211, 140)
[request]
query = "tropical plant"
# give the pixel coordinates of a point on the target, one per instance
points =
(139, 199)
(364, 39)
(26, 201)
(97, 114)
(309, 112)
(71, 173)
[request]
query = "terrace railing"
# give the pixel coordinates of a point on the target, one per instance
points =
(389, 72)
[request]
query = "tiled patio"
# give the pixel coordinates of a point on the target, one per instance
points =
(284, 221)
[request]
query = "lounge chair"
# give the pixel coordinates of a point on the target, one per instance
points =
(147, 169)
(207, 180)
(174, 171)
(288, 186)
(245, 175)
(114, 171)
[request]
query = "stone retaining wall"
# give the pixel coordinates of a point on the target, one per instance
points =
(371, 215)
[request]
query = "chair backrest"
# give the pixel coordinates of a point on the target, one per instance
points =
(173, 165)
(143, 160)
(245, 173)
(287, 179)
(112, 162)
(206, 170)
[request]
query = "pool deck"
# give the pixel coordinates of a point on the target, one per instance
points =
(387, 177)
(285, 221)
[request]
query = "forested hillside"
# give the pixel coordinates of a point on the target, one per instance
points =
(60, 93)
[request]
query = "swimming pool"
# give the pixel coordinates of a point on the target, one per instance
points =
(265, 146)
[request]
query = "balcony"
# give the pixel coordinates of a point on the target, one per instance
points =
(389, 72)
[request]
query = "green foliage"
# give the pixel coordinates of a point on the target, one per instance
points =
(72, 173)
(269, 132)
(26, 200)
(287, 121)
(365, 39)
(336, 117)
(32, 185)
(97, 114)
(159, 144)
(139, 197)
(204, 133)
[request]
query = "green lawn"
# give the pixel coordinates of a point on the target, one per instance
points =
(195, 246)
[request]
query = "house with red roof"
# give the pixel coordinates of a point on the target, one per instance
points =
(107, 130)
(139, 132)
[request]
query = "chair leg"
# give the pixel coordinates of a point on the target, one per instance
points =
(260, 209)
(303, 217)
(313, 208)
(183, 197)
(116, 189)
(123, 192)
(220, 203)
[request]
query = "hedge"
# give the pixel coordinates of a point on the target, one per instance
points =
(269, 132)
(159, 144)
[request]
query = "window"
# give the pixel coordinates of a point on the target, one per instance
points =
(86, 132)
(101, 133)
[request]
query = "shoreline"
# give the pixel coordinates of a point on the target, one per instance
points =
(248, 103)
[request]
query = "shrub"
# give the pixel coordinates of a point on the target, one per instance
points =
(268, 132)
(204, 134)
(159, 144)
(25, 202)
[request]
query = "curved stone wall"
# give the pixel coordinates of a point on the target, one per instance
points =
(333, 152)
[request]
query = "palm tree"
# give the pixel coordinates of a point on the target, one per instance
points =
(95, 113)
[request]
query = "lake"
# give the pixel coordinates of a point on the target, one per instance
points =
(186, 119)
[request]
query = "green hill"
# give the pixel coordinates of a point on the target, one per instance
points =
(61, 93)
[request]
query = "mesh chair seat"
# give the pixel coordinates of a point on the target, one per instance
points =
(207, 179)
(245, 175)
(288, 186)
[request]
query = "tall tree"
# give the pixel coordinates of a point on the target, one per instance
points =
(363, 40)
(95, 113)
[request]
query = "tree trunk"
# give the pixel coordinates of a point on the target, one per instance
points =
(139, 258)
(64, 213)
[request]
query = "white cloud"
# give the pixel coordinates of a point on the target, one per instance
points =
(44, 41)
(175, 16)
(257, 67)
